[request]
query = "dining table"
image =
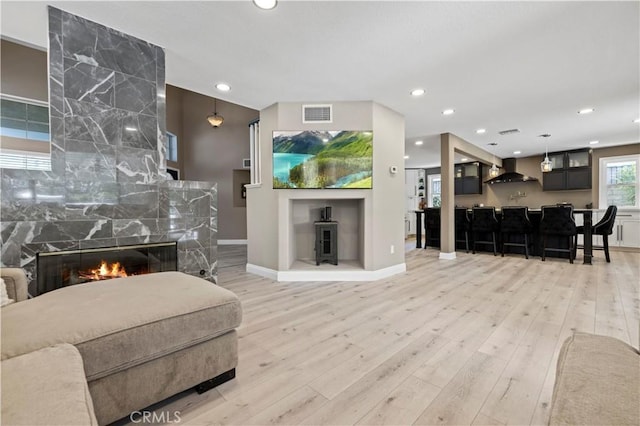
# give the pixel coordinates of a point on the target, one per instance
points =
(587, 221)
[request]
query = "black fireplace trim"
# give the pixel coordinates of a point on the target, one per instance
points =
(43, 287)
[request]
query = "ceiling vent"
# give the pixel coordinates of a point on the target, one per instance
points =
(317, 114)
(509, 132)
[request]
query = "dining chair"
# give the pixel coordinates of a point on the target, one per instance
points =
(484, 222)
(604, 228)
(432, 227)
(558, 221)
(515, 222)
(462, 226)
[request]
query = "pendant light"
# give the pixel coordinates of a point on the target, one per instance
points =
(214, 119)
(546, 166)
(494, 171)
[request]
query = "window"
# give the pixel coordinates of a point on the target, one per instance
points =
(24, 119)
(620, 181)
(254, 151)
(434, 191)
(24, 127)
(25, 160)
(172, 147)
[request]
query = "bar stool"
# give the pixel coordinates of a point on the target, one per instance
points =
(484, 221)
(463, 226)
(604, 227)
(558, 221)
(432, 226)
(515, 221)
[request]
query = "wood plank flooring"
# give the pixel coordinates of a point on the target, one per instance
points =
(469, 341)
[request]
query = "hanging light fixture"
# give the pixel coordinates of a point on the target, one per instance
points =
(494, 171)
(546, 165)
(214, 119)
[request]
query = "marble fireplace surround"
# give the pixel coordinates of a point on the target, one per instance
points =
(107, 184)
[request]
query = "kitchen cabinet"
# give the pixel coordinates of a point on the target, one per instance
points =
(467, 178)
(626, 229)
(571, 170)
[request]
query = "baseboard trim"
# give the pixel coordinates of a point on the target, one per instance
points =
(232, 242)
(262, 271)
(311, 275)
(447, 256)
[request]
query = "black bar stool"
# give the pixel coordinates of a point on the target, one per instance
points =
(558, 221)
(604, 228)
(463, 226)
(432, 227)
(515, 221)
(484, 221)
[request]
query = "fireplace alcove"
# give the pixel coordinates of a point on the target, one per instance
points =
(64, 268)
(347, 212)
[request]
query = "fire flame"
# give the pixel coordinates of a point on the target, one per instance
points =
(115, 270)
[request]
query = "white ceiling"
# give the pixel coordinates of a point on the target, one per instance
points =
(500, 65)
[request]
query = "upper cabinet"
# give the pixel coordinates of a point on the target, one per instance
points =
(468, 178)
(571, 170)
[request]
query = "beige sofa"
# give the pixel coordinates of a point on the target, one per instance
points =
(141, 339)
(597, 382)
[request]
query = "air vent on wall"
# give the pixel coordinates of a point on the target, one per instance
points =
(509, 132)
(316, 114)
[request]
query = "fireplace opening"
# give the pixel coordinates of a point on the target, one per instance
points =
(64, 268)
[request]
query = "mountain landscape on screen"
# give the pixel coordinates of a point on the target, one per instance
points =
(322, 159)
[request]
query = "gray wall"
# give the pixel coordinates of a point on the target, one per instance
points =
(212, 154)
(382, 208)
(107, 185)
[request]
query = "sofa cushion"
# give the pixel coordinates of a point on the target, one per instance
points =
(120, 323)
(597, 382)
(46, 387)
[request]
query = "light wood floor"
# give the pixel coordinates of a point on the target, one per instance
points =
(469, 341)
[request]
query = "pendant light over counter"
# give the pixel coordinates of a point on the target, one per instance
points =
(546, 166)
(494, 170)
(214, 119)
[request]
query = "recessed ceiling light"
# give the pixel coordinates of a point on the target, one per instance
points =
(419, 143)
(417, 92)
(464, 159)
(131, 129)
(265, 4)
(586, 111)
(406, 157)
(637, 120)
(594, 142)
(517, 152)
(481, 131)
(223, 87)
(448, 112)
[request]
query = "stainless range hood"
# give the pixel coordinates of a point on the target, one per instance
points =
(510, 175)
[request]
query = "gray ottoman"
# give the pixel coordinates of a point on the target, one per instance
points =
(142, 339)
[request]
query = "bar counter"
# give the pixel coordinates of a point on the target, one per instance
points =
(534, 215)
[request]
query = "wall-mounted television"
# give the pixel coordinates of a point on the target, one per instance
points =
(322, 159)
